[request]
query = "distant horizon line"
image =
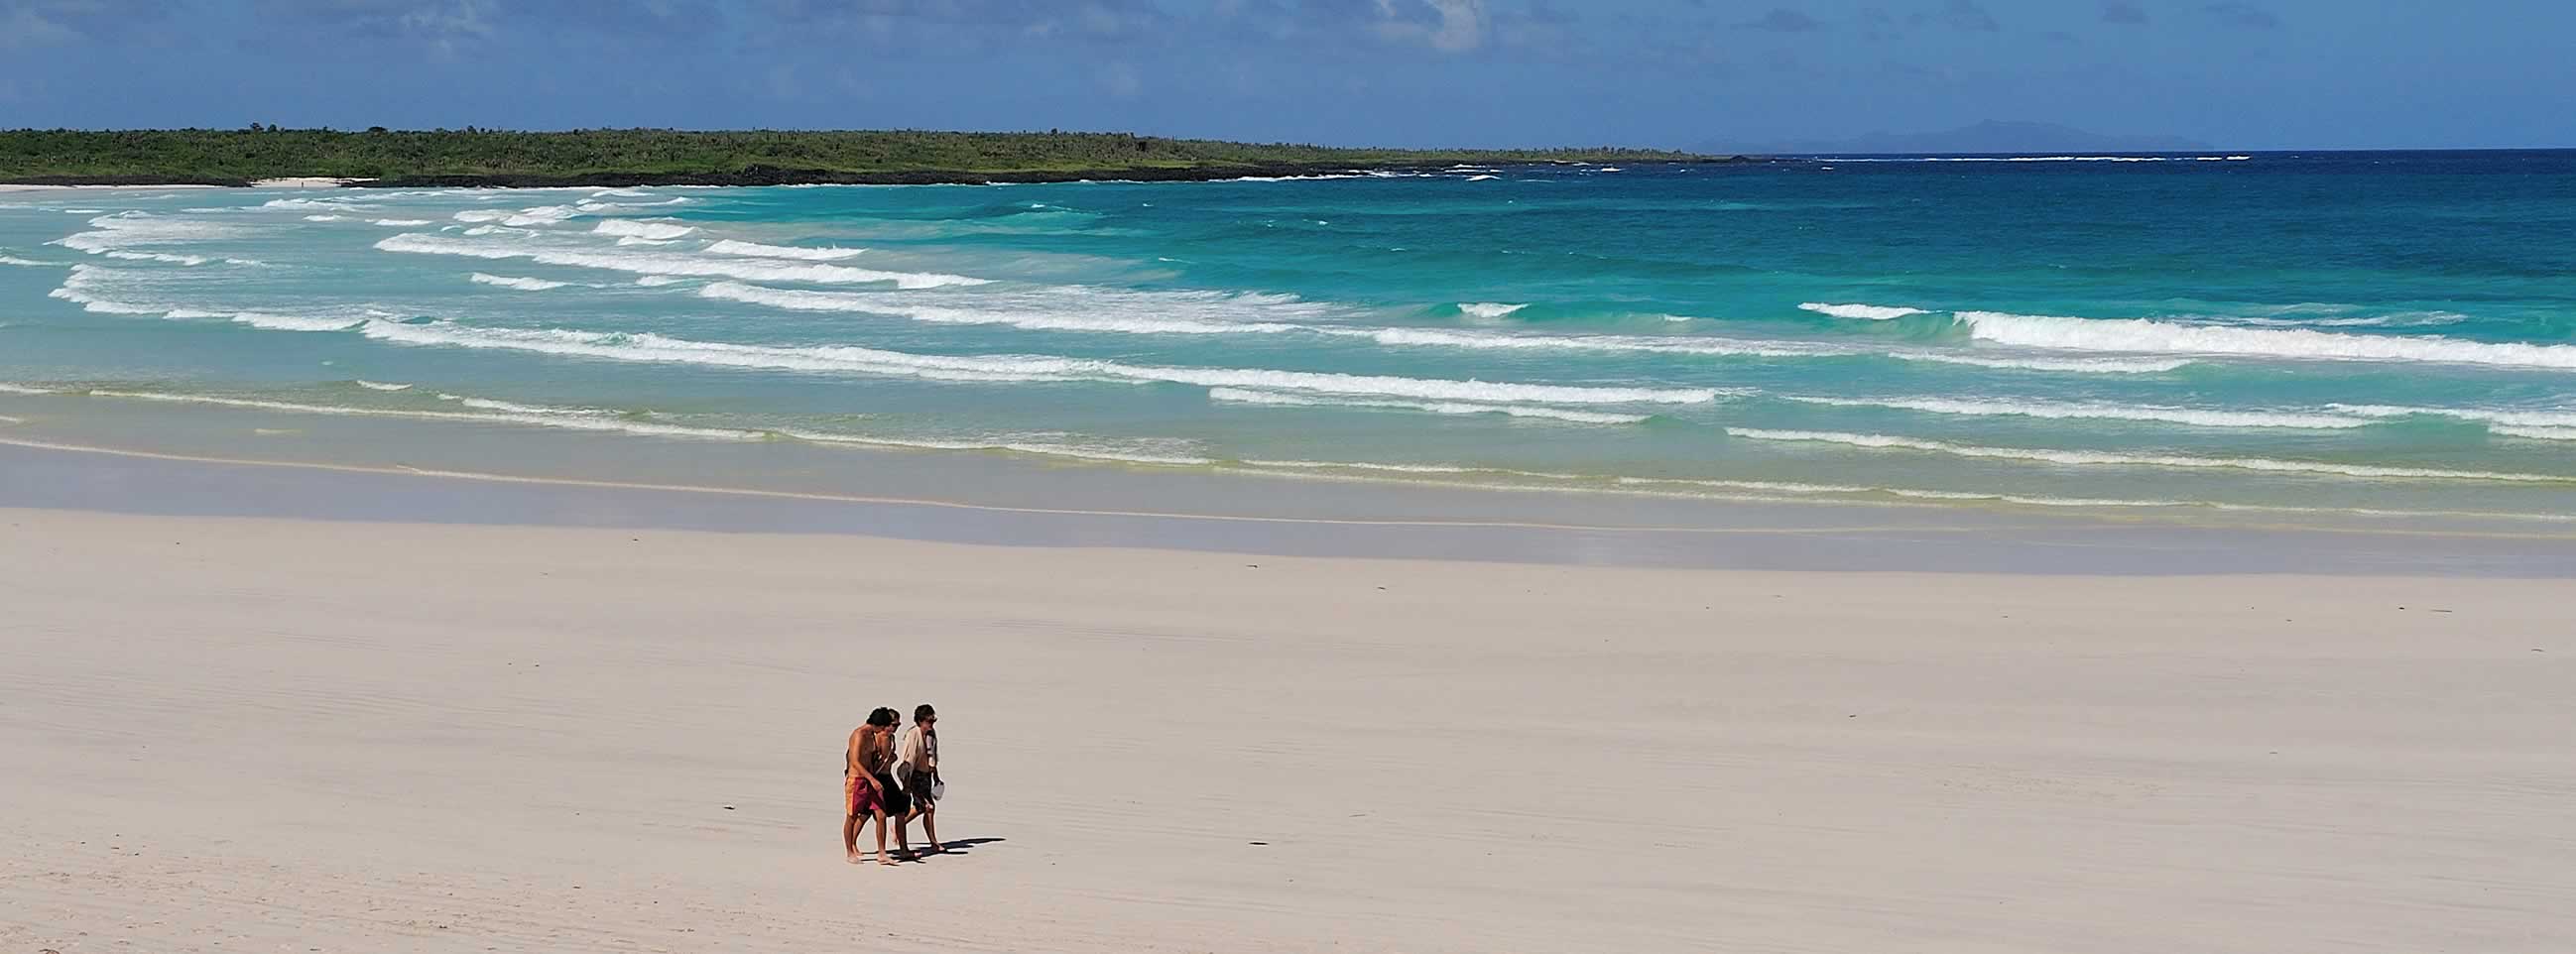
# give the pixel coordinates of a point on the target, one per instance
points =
(474, 129)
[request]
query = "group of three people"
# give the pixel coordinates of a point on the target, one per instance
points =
(892, 780)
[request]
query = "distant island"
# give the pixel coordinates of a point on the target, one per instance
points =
(628, 157)
(1989, 137)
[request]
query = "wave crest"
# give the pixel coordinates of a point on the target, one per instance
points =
(2140, 335)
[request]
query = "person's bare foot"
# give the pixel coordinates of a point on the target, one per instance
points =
(883, 860)
(857, 858)
(934, 849)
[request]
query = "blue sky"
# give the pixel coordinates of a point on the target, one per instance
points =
(2249, 74)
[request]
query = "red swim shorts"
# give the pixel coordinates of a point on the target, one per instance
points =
(861, 797)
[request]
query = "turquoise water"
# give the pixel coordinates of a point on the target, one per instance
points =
(2374, 332)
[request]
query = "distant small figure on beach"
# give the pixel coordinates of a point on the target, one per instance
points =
(867, 790)
(916, 764)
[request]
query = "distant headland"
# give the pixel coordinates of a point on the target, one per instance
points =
(1986, 138)
(630, 157)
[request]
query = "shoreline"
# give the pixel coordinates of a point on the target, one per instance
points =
(1056, 507)
(758, 176)
(792, 464)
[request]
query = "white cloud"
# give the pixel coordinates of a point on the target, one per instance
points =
(1450, 26)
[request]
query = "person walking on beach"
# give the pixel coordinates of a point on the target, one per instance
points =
(916, 762)
(865, 792)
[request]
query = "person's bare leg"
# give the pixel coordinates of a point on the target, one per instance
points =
(903, 833)
(881, 852)
(850, 837)
(930, 828)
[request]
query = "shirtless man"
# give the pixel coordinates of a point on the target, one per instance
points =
(863, 796)
(916, 765)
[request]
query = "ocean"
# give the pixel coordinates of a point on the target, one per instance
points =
(2230, 336)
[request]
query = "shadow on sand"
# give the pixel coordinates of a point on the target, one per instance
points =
(955, 848)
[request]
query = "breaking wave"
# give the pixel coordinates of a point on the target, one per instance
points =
(1869, 312)
(2197, 417)
(643, 230)
(647, 347)
(669, 263)
(520, 283)
(757, 250)
(2140, 335)
(1246, 396)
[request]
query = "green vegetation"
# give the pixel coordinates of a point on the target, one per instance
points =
(629, 156)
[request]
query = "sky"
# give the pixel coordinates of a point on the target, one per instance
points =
(2241, 74)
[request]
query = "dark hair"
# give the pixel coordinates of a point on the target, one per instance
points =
(923, 711)
(882, 717)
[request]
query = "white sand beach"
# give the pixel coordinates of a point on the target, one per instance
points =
(307, 182)
(267, 734)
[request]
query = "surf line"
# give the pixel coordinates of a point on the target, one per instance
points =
(409, 471)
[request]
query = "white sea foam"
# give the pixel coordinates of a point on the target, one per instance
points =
(79, 288)
(1073, 308)
(632, 240)
(1481, 177)
(1070, 309)
(2421, 319)
(1150, 452)
(646, 347)
(534, 416)
(23, 389)
(29, 263)
(381, 386)
(757, 250)
(492, 404)
(669, 263)
(326, 205)
(271, 322)
(520, 283)
(2074, 365)
(638, 228)
(2323, 468)
(1405, 468)
(2159, 337)
(657, 281)
(2535, 433)
(523, 218)
(401, 223)
(1488, 309)
(326, 218)
(124, 230)
(2197, 417)
(156, 257)
(1244, 396)
(2496, 418)
(1868, 312)
(541, 215)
